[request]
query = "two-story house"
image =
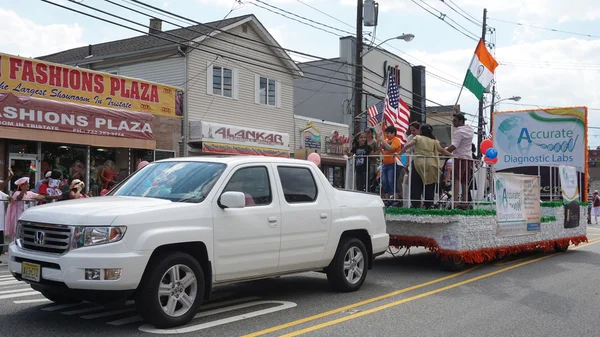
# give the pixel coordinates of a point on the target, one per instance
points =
(238, 83)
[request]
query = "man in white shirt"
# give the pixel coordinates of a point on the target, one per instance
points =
(462, 161)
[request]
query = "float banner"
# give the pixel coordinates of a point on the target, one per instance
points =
(28, 77)
(570, 195)
(517, 204)
(548, 137)
(44, 114)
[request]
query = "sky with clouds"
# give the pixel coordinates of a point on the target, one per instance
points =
(544, 67)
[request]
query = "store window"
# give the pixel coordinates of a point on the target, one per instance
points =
(336, 175)
(104, 168)
(163, 154)
(69, 160)
(23, 147)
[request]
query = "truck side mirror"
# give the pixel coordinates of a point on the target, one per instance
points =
(232, 200)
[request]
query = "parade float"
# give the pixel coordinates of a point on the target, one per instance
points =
(537, 161)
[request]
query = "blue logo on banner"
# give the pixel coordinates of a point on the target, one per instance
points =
(535, 226)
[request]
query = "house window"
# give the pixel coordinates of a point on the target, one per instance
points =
(222, 81)
(267, 92)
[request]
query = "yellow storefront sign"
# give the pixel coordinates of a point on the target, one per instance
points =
(27, 77)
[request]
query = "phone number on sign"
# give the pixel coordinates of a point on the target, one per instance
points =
(100, 133)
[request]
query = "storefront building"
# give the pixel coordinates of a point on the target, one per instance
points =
(208, 138)
(328, 139)
(88, 125)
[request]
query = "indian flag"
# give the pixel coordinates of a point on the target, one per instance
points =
(481, 71)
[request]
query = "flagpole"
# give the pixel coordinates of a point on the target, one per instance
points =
(460, 92)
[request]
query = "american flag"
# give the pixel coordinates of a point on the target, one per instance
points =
(375, 114)
(396, 111)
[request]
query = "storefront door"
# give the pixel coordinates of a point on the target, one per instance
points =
(24, 166)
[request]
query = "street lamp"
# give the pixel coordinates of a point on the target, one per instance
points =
(405, 37)
(514, 98)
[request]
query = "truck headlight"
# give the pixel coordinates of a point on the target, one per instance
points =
(93, 236)
(18, 233)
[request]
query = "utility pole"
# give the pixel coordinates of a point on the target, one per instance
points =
(481, 120)
(492, 109)
(358, 69)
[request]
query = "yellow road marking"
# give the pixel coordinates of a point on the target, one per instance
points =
(429, 293)
(591, 242)
(517, 260)
(358, 304)
(536, 255)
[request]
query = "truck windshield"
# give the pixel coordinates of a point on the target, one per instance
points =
(175, 181)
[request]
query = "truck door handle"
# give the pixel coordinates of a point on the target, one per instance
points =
(323, 215)
(272, 219)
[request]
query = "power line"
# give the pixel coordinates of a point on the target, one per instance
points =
(235, 35)
(467, 13)
(252, 40)
(217, 54)
(442, 17)
(263, 52)
(329, 16)
(224, 40)
(461, 14)
(302, 17)
(318, 80)
(449, 81)
(547, 29)
(550, 62)
(545, 106)
(542, 66)
(378, 40)
(291, 18)
(192, 47)
(322, 86)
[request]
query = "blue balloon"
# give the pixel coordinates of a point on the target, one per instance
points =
(491, 153)
(403, 159)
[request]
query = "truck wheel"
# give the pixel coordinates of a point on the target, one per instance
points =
(560, 249)
(450, 264)
(59, 298)
(171, 291)
(348, 270)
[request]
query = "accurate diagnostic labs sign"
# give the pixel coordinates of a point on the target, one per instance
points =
(548, 137)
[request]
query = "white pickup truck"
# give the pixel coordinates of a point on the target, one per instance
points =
(179, 227)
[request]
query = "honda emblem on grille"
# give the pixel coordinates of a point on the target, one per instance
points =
(39, 237)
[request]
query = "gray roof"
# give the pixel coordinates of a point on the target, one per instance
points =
(137, 43)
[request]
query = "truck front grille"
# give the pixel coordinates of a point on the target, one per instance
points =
(47, 238)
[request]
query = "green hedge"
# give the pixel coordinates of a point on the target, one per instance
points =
(450, 212)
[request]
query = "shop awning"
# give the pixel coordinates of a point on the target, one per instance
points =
(40, 119)
(208, 147)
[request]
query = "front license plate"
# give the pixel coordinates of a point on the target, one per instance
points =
(31, 271)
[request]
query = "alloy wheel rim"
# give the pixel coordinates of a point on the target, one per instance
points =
(354, 265)
(177, 290)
